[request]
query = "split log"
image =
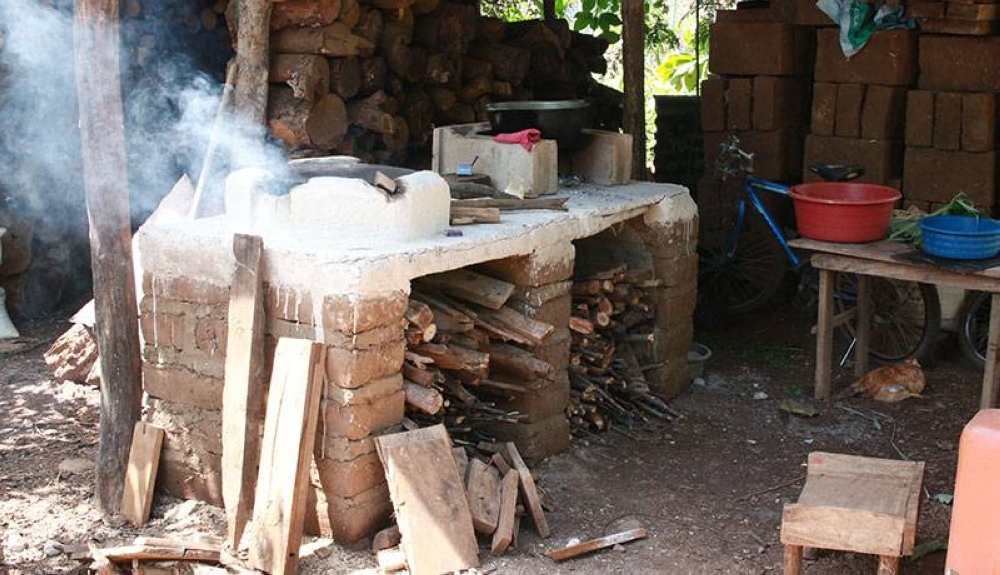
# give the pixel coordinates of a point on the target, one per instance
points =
(369, 25)
(308, 75)
(333, 40)
(300, 123)
(440, 69)
(373, 75)
(462, 216)
(519, 362)
(73, 355)
(425, 377)
(345, 77)
(426, 399)
(305, 13)
(350, 13)
(470, 286)
(419, 314)
(456, 357)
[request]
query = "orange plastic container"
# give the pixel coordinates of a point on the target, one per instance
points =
(974, 543)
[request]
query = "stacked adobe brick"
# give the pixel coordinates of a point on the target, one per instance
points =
(951, 129)
(859, 104)
(761, 63)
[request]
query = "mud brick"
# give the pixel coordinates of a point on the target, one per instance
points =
(541, 404)
(960, 63)
(347, 520)
(758, 48)
(538, 296)
(556, 352)
(180, 477)
(346, 479)
(745, 15)
(777, 155)
(355, 416)
(889, 58)
(920, 118)
(880, 158)
(948, 121)
(925, 10)
(883, 112)
(672, 378)
(679, 271)
(739, 104)
(181, 385)
(348, 313)
(937, 175)
(184, 289)
(163, 329)
(779, 102)
(547, 264)
(850, 100)
(555, 312)
(713, 104)
(535, 441)
(979, 122)
(672, 306)
(800, 13)
(824, 109)
(352, 368)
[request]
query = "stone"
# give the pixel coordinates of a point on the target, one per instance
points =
(777, 49)
(959, 63)
(76, 466)
(52, 548)
(937, 175)
(353, 368)
(889, 58)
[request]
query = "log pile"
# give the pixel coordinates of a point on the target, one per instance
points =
(614, 331)
(370, 78)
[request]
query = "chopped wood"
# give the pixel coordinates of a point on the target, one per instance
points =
(531, 497)
(140, 476)
(306, 74)
(384, 183)
(304, 13)
(333, 40)
(425, 488)
(286, 452)
(129, 553)
(419, 314)
(426, 399)
(558, 204)
(463, 216)
(421, 376)
(581, 325)
(386, 538)
(500, 463)
(391, 560)
(462, 460)
(472, 287)
(74, 353)
(504, 534)
(519, 362)
(482, 488)
(456, 357)
(596, 544)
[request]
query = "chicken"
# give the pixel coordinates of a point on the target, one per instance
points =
(893, 383)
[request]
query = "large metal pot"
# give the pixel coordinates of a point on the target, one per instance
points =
(559, 120)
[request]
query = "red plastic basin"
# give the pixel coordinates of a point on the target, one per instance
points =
(843, 212)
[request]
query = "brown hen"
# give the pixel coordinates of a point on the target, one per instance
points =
(893, 383)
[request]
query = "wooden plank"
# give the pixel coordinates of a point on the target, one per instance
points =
(504, 534)
(793, 559)
(829, 528)
(140, 477)
(129, 553)
(888, 252)
(596, 544)
(471, 286)
(824, 334)
(500, 463)
(482, 489)
(428, 498)
(243, 391)
(286, 451)
(531, 497)
(991, 375)
(825, 463)
(462, 460)
(913, 510)
(906, 271)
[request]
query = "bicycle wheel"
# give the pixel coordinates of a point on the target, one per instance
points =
(905, 316)
(974, 327)
(746, 281)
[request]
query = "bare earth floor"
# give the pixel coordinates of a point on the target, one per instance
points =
(709, 487)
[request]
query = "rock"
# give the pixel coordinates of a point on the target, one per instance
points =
(698, 381)
(15, 542)
(181, 510)
(760, 395)
(619, 548)
(76, 466)
(51, 548)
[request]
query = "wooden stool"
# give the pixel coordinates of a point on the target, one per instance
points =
(857, 504)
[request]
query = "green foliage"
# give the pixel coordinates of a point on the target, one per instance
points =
(679, 71)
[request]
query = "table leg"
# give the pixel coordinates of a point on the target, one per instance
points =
(862, 327)
(991, 375)
(793, 559)
(888, 565)
(824, 334)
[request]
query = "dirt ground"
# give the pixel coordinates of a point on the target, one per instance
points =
(709, 488)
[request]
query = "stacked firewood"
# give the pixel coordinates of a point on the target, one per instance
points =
(614, 332)
(459, 328)
(372, 78)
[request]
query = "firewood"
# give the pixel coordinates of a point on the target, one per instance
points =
(514, 203)
(426, 399)
(456, 357)
(345, 77)
(482, 490)
(309, 13)
(369, 25)
(475, 89)
(510, 63)
(394, 46)
(308, 75)
(373, 75)
(300, 123)
(367, 114)
(519, 362)
(581, 325)
(460, 113)
(397, 139)
(473, 68)
(443, 98)
(419, 314)
(422, 376)
(333, 40)
(471, 286)
(399, 20)
(425, 6)
(74, 353)
(350, 13)
(464, 216)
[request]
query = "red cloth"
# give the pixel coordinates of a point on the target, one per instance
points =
(527, 138)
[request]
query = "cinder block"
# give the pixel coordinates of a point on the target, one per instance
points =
(883, 112)
(824, 109)
(937, 175)
(920, 119)
(959, 63)
(948, 121)
(880, 158)
(779, 102)
(759, 48)
(713, 104)
(850, 100)
(739, 104)
(979, 122)
(889, 58)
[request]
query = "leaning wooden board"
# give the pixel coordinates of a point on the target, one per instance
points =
(140, 477)
(286, 452)
(429, 500)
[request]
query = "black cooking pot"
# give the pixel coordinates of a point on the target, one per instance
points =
(559, 120)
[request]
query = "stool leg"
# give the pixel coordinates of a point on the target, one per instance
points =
(793, 559)
(888, 565)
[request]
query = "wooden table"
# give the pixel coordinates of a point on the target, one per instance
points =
(879, 259)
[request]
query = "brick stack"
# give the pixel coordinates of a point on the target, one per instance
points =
(951, 130)
(859, 104)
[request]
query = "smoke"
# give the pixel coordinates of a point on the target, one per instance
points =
(171, 85)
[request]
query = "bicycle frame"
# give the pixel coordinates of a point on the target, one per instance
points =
(749, 185)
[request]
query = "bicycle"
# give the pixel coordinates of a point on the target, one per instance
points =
(752, 265)
(973, 327)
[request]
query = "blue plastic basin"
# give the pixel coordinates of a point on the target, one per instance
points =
(961, 237)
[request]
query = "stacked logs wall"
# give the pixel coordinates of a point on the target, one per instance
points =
(372, 79)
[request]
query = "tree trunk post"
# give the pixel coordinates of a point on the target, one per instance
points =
(633, 56)
(102, 135)
(253, 62)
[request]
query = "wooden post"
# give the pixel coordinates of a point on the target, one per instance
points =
(991, 376)
(863, 325)
(824, 333)
(253, 62)
(634, 65)
(102, 136)
(793, 560)
(549, 9)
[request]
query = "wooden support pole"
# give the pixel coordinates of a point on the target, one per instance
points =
(102, 138)
(824, 334)
(253, 62)
(634, 66)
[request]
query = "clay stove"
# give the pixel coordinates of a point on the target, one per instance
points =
(350, 290)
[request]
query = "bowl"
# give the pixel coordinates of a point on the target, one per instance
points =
(843, 212)
(559, 120)
(960, 237)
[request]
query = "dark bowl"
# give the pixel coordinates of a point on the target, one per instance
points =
(559, 120)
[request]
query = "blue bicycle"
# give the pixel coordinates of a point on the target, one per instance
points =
(745, 272)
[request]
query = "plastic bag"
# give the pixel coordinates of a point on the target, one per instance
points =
(859, 20)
